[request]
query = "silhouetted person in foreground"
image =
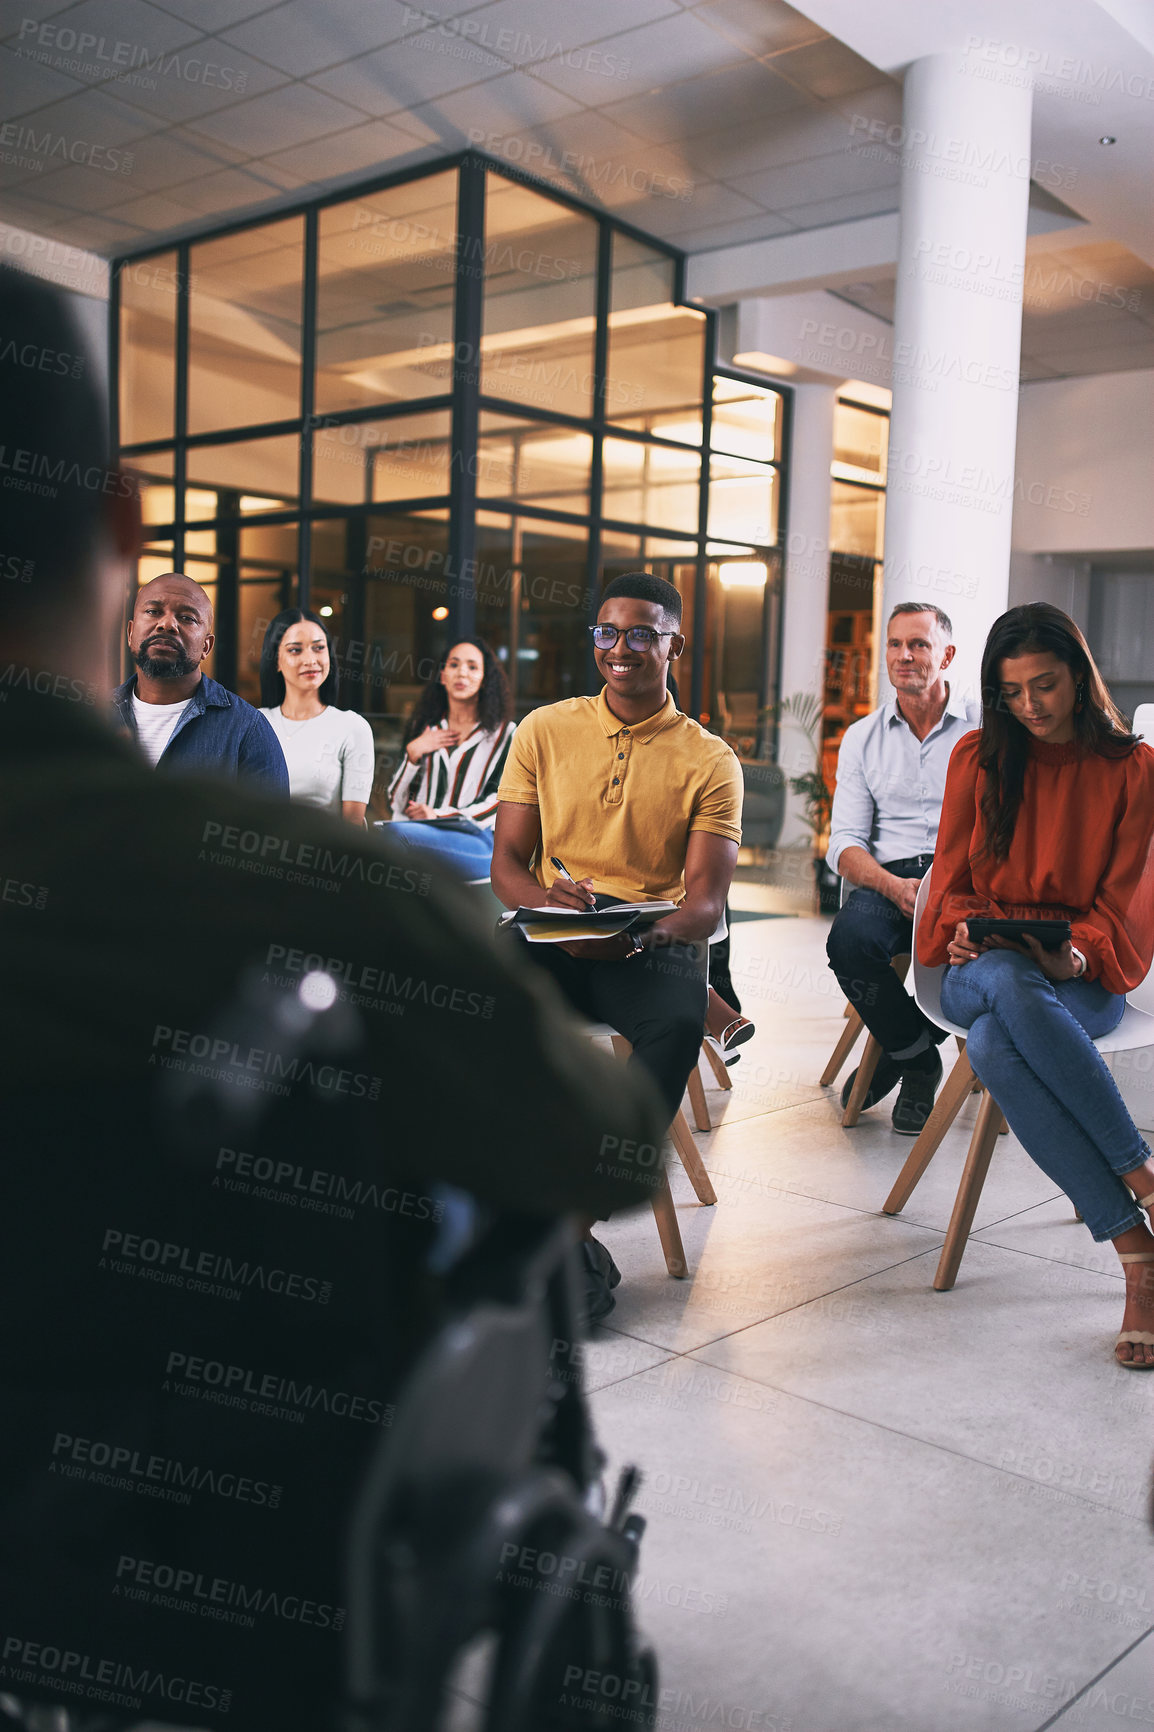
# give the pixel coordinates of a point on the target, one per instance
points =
(227, 1147)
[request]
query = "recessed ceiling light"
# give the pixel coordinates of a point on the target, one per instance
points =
(1106, 139)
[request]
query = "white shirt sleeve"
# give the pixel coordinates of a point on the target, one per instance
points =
(358, 754)
(854, 810)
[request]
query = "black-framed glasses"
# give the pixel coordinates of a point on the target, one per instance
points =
(639, 637)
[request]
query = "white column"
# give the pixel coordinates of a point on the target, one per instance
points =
(806, 589)
(957, 340)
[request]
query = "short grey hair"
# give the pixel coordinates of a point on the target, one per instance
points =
(939, 614)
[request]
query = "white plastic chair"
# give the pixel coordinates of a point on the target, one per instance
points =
(1136, 1029)
(1143, 724)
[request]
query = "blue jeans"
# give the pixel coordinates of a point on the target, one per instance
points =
(1031, 1041)
(467, 852)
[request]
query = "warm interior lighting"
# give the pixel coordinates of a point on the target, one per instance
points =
(257, 502)
(855, 472)
(861, 391)
(762, 363)
(743, 573)
(440, 613)
(325, 612)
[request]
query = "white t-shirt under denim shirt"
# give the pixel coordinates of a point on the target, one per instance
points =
(330, 757)
(155, 726)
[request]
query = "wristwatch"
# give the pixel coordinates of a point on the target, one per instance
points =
(635, 947)
(1077, 955)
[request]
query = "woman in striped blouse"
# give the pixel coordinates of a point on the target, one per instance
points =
(444, 793)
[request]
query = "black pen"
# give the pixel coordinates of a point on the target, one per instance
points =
(566, 874)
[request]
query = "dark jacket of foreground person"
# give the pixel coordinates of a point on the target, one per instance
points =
(217, 1193)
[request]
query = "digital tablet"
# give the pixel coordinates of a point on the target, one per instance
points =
(1050, 934)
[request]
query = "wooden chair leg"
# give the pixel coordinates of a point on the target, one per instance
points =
(862, 1081)
(945, 1111)
(844, 1047)
(717, 1065)
(668, 1230)
(683, 1142)
(969, 1193)
(691, 1159)
(698, 1102)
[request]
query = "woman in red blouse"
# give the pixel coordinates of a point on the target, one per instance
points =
(1049, 812)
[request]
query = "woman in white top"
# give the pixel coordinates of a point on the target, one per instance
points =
(330, 753)
(444, 793)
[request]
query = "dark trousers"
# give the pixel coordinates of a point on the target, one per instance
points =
(656, 1000)
(866, 933)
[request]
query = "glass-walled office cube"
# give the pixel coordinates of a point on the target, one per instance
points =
(448, 404)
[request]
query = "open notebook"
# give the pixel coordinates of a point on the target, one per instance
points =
(567, 925)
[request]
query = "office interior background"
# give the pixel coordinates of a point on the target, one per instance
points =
(433, 317)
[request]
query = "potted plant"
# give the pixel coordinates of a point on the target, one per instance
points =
(804, 709)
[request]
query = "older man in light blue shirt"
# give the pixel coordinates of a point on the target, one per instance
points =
(891, 776)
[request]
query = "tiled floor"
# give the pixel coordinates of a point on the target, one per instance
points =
(873, 1507)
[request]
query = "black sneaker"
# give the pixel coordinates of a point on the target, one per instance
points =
(601, 1274)
(915, 1103)
(885, 1079)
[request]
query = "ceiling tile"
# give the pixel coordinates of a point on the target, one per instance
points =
(1092, 329)
(199, 80)
(763, 227)
(792, 139)
(849, 207)
(283, 118)
(27, 84)
(213, 14)
(707, 205)
(661, 53)
(126, 33)
(828, 70)
(760, 26)
(1031, 372)
(229, 189)
(156, 212)
(567, 147)
(877, 101)
(303, 37)
(93, 188)
(1070, 363)
(747, 96)
(418, 69)
(495, 114)
(77, 127)
(525, 32)
(818, 177)
(369, 148)
(23, 15)
(95, 233)
(169, 161)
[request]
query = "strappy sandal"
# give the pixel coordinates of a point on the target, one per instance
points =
(1136, 1337)
(733, 1035)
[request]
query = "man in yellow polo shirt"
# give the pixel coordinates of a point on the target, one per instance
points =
(640, 804)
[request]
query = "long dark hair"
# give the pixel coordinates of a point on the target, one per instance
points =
(271, 678)
(494, 700)
(1004, 747)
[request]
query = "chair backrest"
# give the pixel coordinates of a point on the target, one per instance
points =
(1143, 723)
(927, 982)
